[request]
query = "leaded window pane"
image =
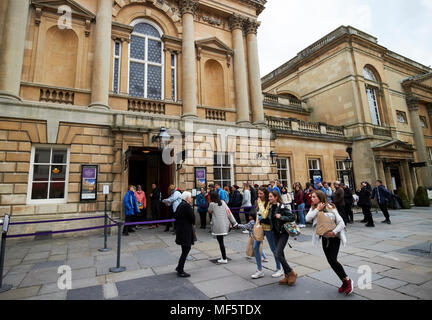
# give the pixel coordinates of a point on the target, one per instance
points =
(137, 49)
(154, 82)
(116, 75)
(136, 79)
(173, 84)
(117, 49)
(154, 51)
(146, 29)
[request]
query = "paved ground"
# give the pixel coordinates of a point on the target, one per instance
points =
(398, 254)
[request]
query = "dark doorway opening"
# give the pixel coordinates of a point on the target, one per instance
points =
(145, 168)
(396, 178)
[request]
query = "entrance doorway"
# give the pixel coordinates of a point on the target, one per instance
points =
(145, 168)
(396, 178)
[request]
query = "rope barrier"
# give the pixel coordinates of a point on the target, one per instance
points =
(149, 222)
(60, 231)
(48, 221)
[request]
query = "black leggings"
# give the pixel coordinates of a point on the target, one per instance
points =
(367, 214)
(281, 240)
(221, 246)
(331, 250)
(182, 260)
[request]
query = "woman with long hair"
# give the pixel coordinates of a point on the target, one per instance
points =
(330, 227)
(278, 215)
(299, 204)
(222, 218)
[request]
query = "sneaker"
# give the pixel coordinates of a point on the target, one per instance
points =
(302, 226)
(183, 274)
(265, 260)
(245, 232)
(279, 273)
(349, 287)
(258, 274)
(222, 261)
(344, 286)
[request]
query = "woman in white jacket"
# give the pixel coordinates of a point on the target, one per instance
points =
(330, 240)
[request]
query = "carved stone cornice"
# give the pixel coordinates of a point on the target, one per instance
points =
(251, 26)
(413, 103)
(237, 21)
(121, 32)
(188, 6)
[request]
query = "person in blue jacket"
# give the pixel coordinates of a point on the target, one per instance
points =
(130, 209)
(221, 193)
(202, 207)
(273, 187)
(382, 196)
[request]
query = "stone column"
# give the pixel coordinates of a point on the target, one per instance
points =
(102, 56)
(240, 77)
(189, 77)
(413, 179)
(380, 171)
(388, 179)
(254, 73)
(12, 48)
(408, 182)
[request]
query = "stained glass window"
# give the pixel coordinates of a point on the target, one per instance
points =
(116, 66)
(145, 66)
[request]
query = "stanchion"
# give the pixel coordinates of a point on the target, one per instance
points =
(118, 269)
(6, 287)
(105, 249)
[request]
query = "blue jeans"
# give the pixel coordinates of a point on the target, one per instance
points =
(271, 241)
(300, 212)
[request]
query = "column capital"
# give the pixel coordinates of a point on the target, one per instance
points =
(251, 26)
(188, 6)
(237, 21)
(412, 103)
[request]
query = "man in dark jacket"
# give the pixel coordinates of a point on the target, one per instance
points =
(155, 198)
(185, 219)
(130, 209)
(339, 201)
(236, 203)
(365, 203)
(382, 195)
(348, 199)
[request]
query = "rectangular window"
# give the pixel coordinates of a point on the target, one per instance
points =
(429, 150)
(373, 106)
(340, 168)
(174, 77)
(116, 66)
(49, 171)
(223, 169)
(423, 122)
(284, 175)
(401, 117)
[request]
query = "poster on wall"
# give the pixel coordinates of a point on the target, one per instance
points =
(88, 182)
(200, 178)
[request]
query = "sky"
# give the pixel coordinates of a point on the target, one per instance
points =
(289, 26)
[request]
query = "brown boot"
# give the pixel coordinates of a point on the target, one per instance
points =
(284, 281)
(291, 277)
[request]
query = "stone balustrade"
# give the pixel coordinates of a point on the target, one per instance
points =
(147, 106)
(276, 99)
(218, 115)
(309, 127)
(56, 96)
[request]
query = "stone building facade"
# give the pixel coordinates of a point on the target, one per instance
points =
(382, 99)
(86, 82)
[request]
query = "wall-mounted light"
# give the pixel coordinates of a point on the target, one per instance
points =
(273, 157)
(162, 139)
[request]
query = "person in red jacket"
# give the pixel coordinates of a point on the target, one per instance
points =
(142, 204)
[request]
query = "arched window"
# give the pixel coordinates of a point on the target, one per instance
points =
(145, 61)
(371, 92)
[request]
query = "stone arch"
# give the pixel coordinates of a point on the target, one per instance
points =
(214, 84)
(161, 13)
(61, 47)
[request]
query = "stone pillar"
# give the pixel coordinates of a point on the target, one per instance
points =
(407, 177)
(380, 171)
(388, 179)
(424, 173)
(12, 48)
(413, 179)
(102, 56)
(240, 77)
(189, 77)
(254, 73)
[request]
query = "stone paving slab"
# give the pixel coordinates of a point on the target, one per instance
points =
(155, 257)
(304, 289)
(39, 277)
(422, 249)
(223, 286)
(163, 287)
(407, 276)
(380, 293)
(390, 283)
(206, 274)
(89, 293)
(21, 293)
(330, 277)
(61, 295)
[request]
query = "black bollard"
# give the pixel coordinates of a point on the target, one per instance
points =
(118, 269)
(105, 249)
(6, 287)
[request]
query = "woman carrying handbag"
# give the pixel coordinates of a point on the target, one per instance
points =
(330, 227)
(221, 222)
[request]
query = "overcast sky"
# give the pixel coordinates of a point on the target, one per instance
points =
(289, 26)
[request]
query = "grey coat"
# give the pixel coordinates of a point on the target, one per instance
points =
(221, 220)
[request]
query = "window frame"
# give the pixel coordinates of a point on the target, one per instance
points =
(117, 57)
(288, 173)
(403, 115)
(146, 62)
(376, 107)
(217, 166)
(429, 150)
(50, 147)
(340, 177)
(423, 120)
(174, 70)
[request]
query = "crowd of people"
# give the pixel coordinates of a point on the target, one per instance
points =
(328, 208)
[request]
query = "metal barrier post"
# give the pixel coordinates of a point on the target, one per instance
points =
(6, 287)
(118, 268)
(105, 249)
